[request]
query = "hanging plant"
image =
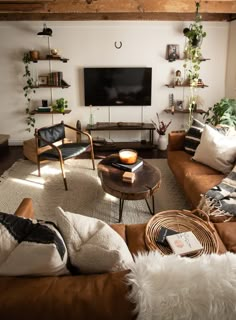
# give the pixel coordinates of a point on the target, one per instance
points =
(193, 56)
(28, 90)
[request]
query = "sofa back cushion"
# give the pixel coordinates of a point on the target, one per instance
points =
(31, 247)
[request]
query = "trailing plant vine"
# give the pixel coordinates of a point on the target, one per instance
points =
(193, 56)
(28, 90)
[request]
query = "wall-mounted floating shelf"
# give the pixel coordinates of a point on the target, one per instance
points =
(51, 59)
(184, 111)
(185, 85)
(49, 112)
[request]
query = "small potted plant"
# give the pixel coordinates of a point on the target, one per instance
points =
(161, 129)
(60, 105)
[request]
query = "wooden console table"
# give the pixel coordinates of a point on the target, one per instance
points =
(124, 126)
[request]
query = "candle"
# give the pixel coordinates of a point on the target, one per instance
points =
(128, 156)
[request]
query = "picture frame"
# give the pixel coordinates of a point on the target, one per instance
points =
(42, 80)
(172, 52)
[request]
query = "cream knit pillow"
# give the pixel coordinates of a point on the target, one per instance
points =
(93, 246)
(216, 150)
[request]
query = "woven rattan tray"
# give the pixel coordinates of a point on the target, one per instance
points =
(181, 221)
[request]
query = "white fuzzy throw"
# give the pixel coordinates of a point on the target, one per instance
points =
(171, 287)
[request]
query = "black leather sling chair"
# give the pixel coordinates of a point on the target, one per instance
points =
(48, 136)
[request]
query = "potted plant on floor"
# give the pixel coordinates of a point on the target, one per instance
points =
(161, 129)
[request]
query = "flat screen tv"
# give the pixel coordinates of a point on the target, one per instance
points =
(117, 86)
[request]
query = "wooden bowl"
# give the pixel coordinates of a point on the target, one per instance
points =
(128, 156)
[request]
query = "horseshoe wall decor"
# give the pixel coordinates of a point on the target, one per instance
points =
(118, 46)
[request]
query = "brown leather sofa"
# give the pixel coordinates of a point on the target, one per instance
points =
(194, 178)
(83, 297)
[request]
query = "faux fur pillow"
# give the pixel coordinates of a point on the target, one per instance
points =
(93, 246)
(30, 247)
(174, 288)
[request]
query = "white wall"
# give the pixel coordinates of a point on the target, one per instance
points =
(231, 64)
(92, 44)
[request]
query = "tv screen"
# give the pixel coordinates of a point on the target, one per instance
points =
(117, 86)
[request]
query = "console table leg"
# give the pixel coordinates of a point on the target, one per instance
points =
(121, 206)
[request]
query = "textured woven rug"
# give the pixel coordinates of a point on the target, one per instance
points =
(85, 194)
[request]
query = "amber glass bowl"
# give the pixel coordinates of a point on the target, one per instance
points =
(128, 156)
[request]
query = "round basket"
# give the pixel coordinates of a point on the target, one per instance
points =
(182, 221)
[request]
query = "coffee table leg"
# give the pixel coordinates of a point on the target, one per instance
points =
(151, 210)
(121, 205)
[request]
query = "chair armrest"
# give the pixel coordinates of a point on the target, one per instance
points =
(25, 209)
(176, 140)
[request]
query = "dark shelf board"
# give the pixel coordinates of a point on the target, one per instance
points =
(113, 146)
(184, 111)
(181, 59)
(174, 86)
(50, 112)
(64, 60)
(48, 86)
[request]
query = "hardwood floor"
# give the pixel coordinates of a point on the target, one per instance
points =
(9, 155)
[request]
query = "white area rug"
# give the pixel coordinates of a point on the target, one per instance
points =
(85, 194)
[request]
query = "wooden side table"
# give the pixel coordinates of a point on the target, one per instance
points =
(147, 182)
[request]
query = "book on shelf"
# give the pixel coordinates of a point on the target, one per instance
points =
(163, 233)
(128, 167)
(184, 243)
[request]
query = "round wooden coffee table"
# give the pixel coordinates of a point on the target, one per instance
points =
(147, 182)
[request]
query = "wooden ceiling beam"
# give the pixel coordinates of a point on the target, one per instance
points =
(210, 10)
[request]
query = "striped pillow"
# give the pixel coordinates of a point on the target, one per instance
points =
(31, 247)
(193, 136)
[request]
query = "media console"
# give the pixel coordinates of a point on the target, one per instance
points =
(122, 126)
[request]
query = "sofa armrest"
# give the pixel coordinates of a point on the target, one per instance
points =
(176, 140)
(25, 209)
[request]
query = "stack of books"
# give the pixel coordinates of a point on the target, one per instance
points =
(44, 109)
(55, 79)
(128, 167)
(181, 243)
(128, 177)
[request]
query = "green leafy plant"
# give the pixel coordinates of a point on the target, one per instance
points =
(60, 105)
(160, 126)
(193, 55)
(28, 90)
(223, 112)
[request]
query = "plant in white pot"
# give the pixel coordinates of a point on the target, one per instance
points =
(161, 129)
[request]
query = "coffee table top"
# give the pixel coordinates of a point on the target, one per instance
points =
(147, 180)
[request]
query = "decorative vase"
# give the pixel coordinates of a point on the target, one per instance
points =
(91, 119)
(162, 142)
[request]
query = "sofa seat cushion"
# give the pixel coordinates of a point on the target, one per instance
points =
(181, 165)
(195, 185)
(93, 246)
(100, 297)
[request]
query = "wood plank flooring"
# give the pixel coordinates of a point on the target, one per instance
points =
(9, 155)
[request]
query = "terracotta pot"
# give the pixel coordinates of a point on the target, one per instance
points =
(34, 54)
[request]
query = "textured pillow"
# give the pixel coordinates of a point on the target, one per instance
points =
(193, 136)
(30, 247)
(93, 246)
(216, 150)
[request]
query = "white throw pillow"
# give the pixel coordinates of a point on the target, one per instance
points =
(93, 246)
(216, 150)
(31, 247)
